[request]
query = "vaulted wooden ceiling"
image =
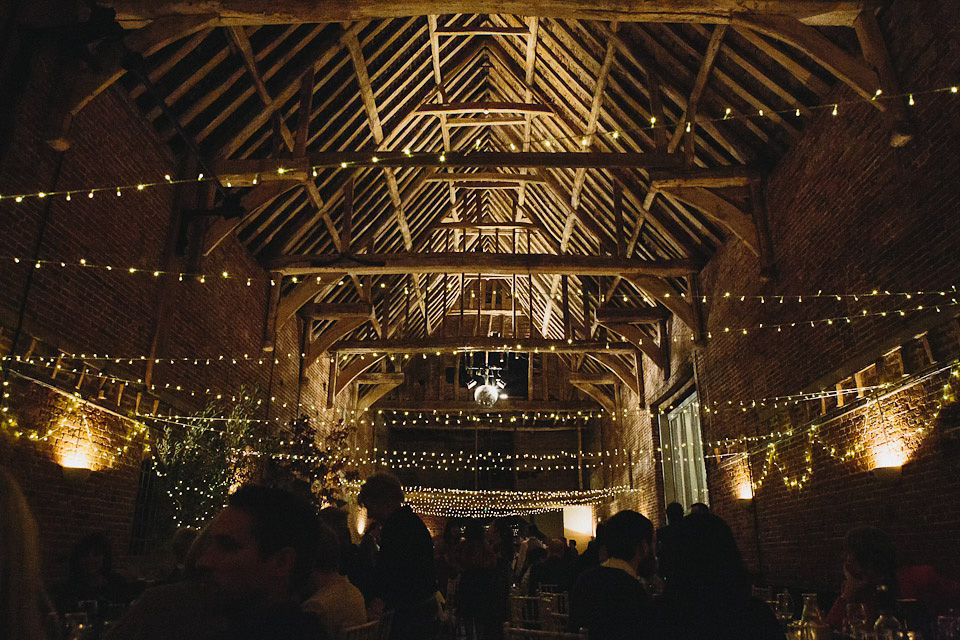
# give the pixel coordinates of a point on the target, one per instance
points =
(638, 133)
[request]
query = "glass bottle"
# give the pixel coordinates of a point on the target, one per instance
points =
(811, 619)
(887, 626)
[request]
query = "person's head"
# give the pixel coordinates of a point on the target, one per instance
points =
(536, 554)
(628, 536)
(21, 590)
(709, 565)
(674, 512)
(572, 543)
(381, 495)
(555, 548)
(91, 557)
(868, 554)
(534, 532)
(327, 559)
(260, 549)
(699, 507)
(474, 530)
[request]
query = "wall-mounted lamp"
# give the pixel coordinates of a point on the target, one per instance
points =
(888, 476)
(745, 495)
(76, 475)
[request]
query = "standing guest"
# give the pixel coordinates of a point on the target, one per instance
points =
(609, 600)
(404, 578)
(555, 570)
(252, 563)
(335, 600)
(476, 592)
(709, 594)
(667, 541)
(571, 551)
(91, 577)
(24, 607)
(698, 508)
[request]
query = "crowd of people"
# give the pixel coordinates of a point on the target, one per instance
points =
(268, 566)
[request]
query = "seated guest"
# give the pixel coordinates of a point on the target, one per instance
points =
(252, 563)
(335, 600)
(403, 577)
(709, 593)
(869, 562)
(91, 577)
(336, 519)
(24, 608)
(555, 570)
(608, 600)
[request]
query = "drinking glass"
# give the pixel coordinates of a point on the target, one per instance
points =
(784, 606)
(855, 622)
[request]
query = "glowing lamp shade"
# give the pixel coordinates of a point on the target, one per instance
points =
(889, 454)
(361, 521)
(486, 395)
(744, 491)
(77, 465)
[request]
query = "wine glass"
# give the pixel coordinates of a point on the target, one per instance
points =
(855, 622)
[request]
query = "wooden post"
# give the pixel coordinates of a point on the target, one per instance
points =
(346, 230)
(579, 456)
(332, 380)
(565, 292)
(530, 375)
(876, 54)
(618, 217)
(758, 202)
(273, 303)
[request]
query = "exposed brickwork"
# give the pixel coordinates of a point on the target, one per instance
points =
(88, 310)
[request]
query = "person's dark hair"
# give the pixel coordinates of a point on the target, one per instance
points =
(533, 531)
(674, 512)
(328, 551)
(96, 542)
(281, 519)
(571, 542)
(473, 530)
(380, 486)
(874, 552)
(709, 565)
(623, 531)
(699, 507)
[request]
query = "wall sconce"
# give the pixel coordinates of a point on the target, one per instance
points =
(888, 476)
(745, 495)
(76, 475)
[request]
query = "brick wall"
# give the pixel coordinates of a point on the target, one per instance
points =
(848, 214)
(87, 310)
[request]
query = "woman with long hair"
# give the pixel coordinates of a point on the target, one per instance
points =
(24, 606)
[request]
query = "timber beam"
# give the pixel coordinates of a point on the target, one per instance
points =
(713, 178)
(451, 344)
(484, 176)
(480, 263)
(602, 398)
(645, 315)
(134, 13)
(328, 311)
(242, 172)
(591, 378)
(484, 107)
(381, 378)
(506, 405)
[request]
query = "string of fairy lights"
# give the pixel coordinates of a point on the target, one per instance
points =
(581, 140)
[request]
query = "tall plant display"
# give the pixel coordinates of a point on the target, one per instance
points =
(201, 458)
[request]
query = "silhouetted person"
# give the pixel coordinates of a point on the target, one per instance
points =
(349, 554)
(699, 507)
(24, 607)
(667, 541)
(870, 562)
(337, 602)
(555, 570)
(571, 550)
(609, 600)
(476, 592)
(404, 579)
(92, 578)
(180, 545)
(248, 572)
(709, 594)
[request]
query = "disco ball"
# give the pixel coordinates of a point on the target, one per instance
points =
(486, 395)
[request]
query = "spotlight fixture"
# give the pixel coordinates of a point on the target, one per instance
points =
(472, 384)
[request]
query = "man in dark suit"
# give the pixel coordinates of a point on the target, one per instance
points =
(609, 600)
